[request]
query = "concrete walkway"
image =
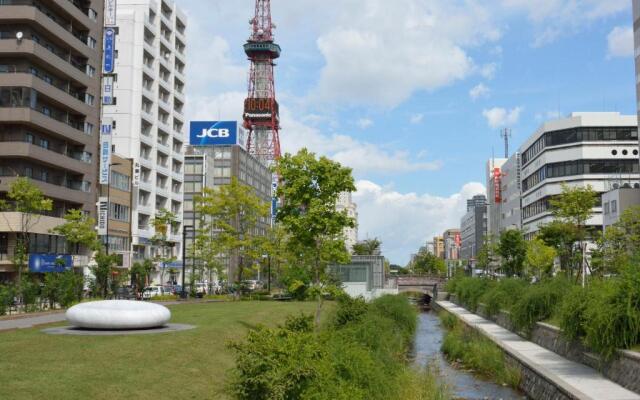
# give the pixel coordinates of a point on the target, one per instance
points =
(579, 380)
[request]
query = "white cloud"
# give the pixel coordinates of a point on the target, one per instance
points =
(364, 123)
(416, 217)
(620, 42)
(499, 117)
(480, 90)
(555, 18)
(377, 54)
(488, 71)
(416, 119)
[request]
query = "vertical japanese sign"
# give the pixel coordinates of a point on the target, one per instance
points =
(497, 185)
(103, 213)
(107, 90)
(109, 50)
(105, 150)
(110, 13)
(136, 174)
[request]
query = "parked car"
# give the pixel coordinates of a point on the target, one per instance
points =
(153, 291)
(201, 289)
(252, 284)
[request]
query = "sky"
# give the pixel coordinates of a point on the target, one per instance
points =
(412, 94)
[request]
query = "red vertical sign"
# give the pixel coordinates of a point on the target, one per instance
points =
(497, 180)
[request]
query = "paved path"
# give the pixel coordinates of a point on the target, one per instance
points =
(579, 380)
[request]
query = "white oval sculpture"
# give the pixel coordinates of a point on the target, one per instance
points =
(118, 314)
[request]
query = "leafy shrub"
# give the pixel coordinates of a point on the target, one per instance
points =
(502, 295)
(359, 354)
(448, 320)
(298, 290)
(571, 312)
(538, 303)
(612, 319)
(7, 293)
(478, 353)
(469, 291)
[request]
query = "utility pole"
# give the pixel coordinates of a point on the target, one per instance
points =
(506, 134)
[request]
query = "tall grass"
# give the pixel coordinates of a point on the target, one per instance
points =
(538, 303)
(502, 295)
(469, 291)
(464, 345)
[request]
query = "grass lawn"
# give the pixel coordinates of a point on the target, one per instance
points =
(181, 365)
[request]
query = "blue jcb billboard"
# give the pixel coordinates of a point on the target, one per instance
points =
(40, 262)
(208, 133)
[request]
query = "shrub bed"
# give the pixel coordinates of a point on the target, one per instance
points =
(360, 353)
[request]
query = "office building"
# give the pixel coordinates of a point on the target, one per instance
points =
(616, 201)
(494, 195)
(473, 229)
(346, 203)
(148, 113)
(510, 216)
(118, 195)
(213, 166)
(596, 149)
(438, 246)
(50, 63)
(451, 241)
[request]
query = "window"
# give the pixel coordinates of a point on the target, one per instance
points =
(44, 143)
(44, 175)
(222, 172)
(28, 172)
(119, 212)
(92, 14)
(91, 42)
(120, 181)
(46, 111)
(614, 206)
(88, 99)
(88, 128)
(91, 71)
(29, 138)
(606, 208)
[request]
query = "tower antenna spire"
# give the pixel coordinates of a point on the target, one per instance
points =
(261, 111)
(506, 134)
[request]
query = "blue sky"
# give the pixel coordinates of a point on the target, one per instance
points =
(412, 93)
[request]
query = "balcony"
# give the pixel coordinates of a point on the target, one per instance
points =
(164, 105)
(20, 10)
(45, 156)
(146, 162)
(165, 84)
(178, 176)
(147, 115)
(147, 68)
(162, 191)
(164, 126)
(61, 64)
(149, 24)
(180, 55)
(163, 147)
(178, 95)
(147, 139)
(150, 48)
(77, 192)
(28, 116)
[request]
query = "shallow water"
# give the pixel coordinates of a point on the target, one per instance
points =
(463, 385)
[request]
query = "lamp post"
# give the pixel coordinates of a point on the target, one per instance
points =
(183, 293)
(109, 200)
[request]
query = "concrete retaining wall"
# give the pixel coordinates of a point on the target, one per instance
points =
(624, 369)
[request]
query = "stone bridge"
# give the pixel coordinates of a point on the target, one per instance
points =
(420, 283)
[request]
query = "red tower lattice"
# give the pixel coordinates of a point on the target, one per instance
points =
(261, 111)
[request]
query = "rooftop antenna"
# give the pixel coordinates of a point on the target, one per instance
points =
(506, 134)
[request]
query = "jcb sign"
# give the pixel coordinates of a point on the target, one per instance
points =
(209, 133)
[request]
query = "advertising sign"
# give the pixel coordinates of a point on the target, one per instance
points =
(107, 90)
(40, 262)
(103, 213)
(109, 50)
(211, 133)
(458, 240)
(109, 12)
(136, 174)
(105, 150)
(260, 109)
(497, 180)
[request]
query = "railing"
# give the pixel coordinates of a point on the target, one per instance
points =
(63, 56)
(66, 89)
(77, 155)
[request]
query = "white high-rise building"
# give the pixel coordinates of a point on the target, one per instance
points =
(148, 113)
(346, 203)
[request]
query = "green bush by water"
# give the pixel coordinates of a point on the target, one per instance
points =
(469, 290)
(538, 303)
(464, 345)
(359, 354)
(503, 295)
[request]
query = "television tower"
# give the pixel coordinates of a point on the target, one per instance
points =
(261, 112)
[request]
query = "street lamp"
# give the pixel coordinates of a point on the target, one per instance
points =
(185, 228)
(109, 200)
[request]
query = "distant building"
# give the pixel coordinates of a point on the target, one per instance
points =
(510, 216)
(494, 195)
(364, 276)
(345, 202)
(473, 229)
(616, 201)
(213, 166)
(451, 239)
(438, 246)
(596, 149)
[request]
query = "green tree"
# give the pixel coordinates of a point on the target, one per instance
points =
(488, 254)
(78, 229)
(562, 236)
(512, 248)
(140, 272)
(574, 206)
(103, 273)
(368, 247)
(310, 187)
(162, 223)
(540, 258)
(26, 198)
(426, 263)
(237, 217)
(619, 244)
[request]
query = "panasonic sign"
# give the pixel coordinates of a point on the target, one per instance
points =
(211, 133)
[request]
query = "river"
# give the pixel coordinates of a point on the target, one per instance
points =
(463, 385)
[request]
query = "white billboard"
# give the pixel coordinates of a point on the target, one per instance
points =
(110, 13)
(105, 150)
